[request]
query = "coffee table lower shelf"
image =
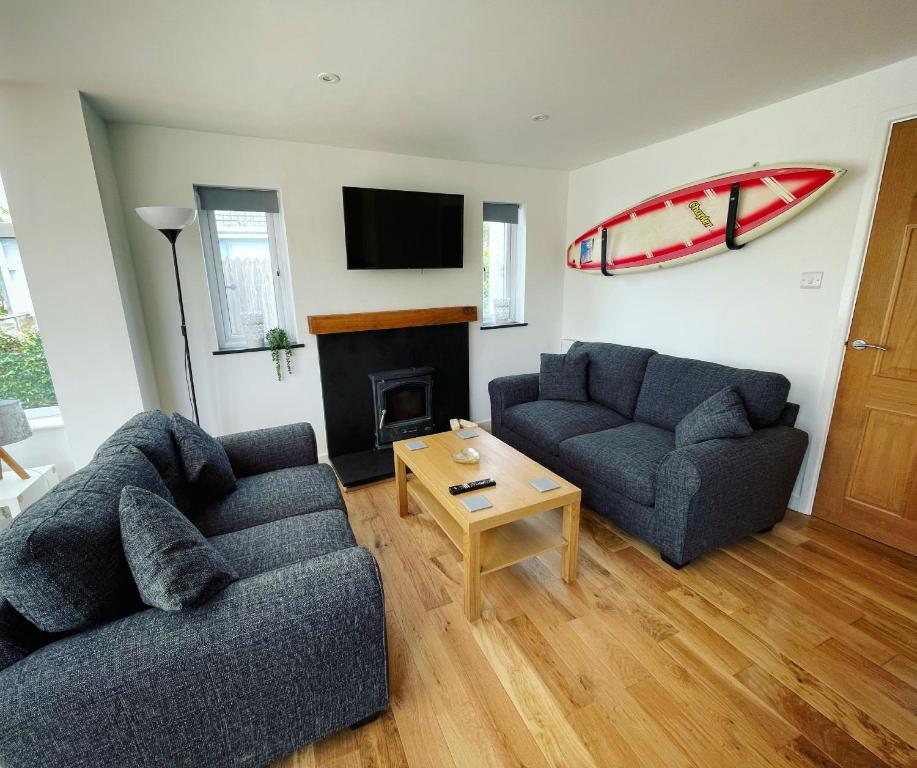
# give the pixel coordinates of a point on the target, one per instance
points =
(501, 546)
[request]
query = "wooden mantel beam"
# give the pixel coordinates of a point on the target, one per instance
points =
(399, 318)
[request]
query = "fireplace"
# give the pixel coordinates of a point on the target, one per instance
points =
(354, 350)
(402, 404)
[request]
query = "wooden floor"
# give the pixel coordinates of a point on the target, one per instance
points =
(797, 647)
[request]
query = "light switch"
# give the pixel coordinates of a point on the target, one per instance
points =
(811, 280)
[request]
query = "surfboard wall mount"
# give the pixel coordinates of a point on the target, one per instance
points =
(731, 214)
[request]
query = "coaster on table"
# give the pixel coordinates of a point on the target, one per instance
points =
(415, 445)
(476, 503)
(543, 484)
(466, 433)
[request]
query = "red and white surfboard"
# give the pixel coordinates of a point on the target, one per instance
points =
(689, 223)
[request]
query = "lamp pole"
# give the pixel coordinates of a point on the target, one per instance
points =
(171, 221)
(172, 236)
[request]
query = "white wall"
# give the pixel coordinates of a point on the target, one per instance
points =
(745, 308)
(51, 186)
(97, 133)
(159, 166)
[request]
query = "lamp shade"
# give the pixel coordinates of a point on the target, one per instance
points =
(166, 217)
(14, 426)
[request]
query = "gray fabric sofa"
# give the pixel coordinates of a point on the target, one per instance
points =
(291, 652)
(619, 446)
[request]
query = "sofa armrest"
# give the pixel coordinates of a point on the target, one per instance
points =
(273, 662)
(713, 493)
(264, 450)
(507, 391)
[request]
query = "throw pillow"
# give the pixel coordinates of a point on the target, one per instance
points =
(205, 461)
(720, 415)
(563, 377)
(174, 566)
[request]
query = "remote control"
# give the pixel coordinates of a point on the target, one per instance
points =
(474, 485)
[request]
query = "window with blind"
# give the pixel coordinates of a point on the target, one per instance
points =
(504, 264)
(247, 264)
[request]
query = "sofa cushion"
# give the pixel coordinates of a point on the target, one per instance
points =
(271, 496)
(150, 432)
(205, 461)
(625, 458)
(282, 542)
(675, 386)
(563, 377)
(18, 636)
(172, 563)
(62, 565)
(615, 373)
(549, 422)
(720, 415)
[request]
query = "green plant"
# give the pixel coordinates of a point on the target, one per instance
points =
(278, 341)
(24, 373)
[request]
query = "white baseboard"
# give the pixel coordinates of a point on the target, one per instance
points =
(797, 505)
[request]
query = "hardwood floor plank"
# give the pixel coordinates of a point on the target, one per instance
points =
(792, 648)
(542, 714)
(904, 668)
(553, 670)
(874, 735)
(380, 744)
(824, 733)
(602, 739)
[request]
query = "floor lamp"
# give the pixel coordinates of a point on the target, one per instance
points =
(171, 221)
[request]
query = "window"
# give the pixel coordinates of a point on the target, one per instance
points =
(24, 373)
(247, 264)
(504, 264)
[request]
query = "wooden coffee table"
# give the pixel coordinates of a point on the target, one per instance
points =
(522, 522)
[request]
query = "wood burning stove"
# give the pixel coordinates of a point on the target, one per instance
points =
(402, 403)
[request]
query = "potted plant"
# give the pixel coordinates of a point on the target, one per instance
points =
(278, 341)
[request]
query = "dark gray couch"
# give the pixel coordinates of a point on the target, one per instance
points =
(619, 447)
(291, 652)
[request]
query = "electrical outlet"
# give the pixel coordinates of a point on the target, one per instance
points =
(811, 279)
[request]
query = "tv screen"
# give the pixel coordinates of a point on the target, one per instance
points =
(393, 229)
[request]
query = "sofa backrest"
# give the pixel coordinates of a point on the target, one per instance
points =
(615, 373)
(675, 386)
(62, 564)
(150, 432)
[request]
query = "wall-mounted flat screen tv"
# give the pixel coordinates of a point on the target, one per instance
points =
(394, 229)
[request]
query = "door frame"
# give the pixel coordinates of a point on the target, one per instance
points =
(880, 138)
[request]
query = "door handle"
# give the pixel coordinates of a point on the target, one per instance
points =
(860, 344)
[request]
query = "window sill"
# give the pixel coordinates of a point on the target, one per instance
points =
(502, 325)
(250, 349)
(41, 423)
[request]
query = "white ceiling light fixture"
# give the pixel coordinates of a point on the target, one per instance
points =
(329, 77)
(541, 117)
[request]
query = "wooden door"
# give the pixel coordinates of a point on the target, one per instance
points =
(868, 480)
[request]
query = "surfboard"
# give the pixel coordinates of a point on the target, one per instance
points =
(692, 222)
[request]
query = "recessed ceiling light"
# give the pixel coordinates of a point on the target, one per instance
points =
(540, 117)
(329, 77)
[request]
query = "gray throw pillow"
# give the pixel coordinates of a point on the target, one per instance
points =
(720, 415)
(173, 565)
(205, 461)
(563, 377)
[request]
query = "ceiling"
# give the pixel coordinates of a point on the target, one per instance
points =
(449, 78)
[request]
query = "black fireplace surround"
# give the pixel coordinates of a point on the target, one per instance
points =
(349, 394)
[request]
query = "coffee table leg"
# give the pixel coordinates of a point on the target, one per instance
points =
(571, 536)
(401, 483)
(471, 557)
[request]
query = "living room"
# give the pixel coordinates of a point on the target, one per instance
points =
(405, 250)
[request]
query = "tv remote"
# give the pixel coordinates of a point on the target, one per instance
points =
(474, 485)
